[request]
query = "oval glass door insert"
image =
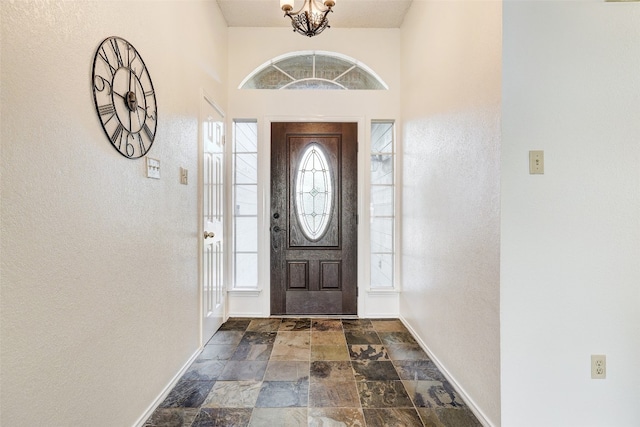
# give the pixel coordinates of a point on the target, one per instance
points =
(314, 192)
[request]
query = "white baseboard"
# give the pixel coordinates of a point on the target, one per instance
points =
(251, 315)
(379, 316)
(459, 389)
(165, 392)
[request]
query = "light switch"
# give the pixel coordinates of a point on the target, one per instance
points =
(184, 176)
(536, 162)
(153, 168)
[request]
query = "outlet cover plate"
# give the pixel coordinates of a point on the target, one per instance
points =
(598, 366)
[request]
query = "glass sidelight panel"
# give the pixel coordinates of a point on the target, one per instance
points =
(245, 204)
(382, 204)
(314, 192)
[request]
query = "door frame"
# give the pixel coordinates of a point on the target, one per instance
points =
(264, 221)
(205, 97)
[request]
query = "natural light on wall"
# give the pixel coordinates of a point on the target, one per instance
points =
(313, 70)
(382, 204)
(245, 203)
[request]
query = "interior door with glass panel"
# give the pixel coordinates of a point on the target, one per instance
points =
(213, 288)
(313, 218)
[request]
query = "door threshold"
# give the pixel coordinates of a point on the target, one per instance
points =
(314, 316)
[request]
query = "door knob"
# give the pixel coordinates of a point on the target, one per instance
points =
(209, 234)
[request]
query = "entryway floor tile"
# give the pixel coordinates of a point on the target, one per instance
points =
(315, 372)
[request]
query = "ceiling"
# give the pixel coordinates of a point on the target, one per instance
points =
(346, 13)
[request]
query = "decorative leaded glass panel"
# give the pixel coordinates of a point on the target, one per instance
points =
(298, 67)
(269, 78)
(313, 70)
(330, 68)
(314, 84)
(359, 79)
(313, 192)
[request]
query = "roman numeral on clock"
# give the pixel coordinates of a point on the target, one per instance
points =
(148, 132)
(117, 135)
(106, 109)
(116, 51)
(141, 142)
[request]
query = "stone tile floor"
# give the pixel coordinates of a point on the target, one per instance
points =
(313, 372)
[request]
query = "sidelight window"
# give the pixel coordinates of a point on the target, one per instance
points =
(382, 204)
(314, 192)
(245, 203)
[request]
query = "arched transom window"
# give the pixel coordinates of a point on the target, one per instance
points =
(313, 70)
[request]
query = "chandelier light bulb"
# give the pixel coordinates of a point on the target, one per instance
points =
(286, 5)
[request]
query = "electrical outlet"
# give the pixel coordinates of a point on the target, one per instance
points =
(598, 366)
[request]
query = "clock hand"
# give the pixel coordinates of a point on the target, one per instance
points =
(130, 124)
(135, 92)
(146, 112)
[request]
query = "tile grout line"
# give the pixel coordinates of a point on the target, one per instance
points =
(379, 334)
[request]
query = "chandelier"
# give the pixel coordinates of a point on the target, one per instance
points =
(311, 19)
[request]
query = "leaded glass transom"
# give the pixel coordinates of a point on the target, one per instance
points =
(314, 192)
(313, 70)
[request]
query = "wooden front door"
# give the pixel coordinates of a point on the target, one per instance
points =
(314, 218)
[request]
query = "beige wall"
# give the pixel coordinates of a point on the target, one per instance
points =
(570, 270)
(451, 66)
(99, 264)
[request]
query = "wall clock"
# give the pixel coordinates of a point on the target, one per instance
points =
(124, 97)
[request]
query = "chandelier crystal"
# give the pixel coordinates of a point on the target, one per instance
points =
(311, 19)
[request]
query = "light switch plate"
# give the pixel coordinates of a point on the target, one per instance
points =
(536, 162)
(184, 176)
(153, 168)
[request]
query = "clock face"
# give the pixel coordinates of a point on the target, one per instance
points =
(124, 97)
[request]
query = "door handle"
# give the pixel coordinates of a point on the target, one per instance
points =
(210, 234)
(274, 240)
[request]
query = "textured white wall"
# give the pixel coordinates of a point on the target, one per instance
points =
(376, 48)
(570, 270)
(451, 66)
(99, 264)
